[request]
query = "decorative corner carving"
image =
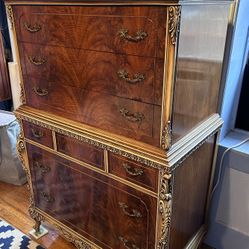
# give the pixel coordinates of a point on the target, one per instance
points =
(166, 136)
(174, 22)
(80, 244)
(10, 15)
(34, 214)
(165, 206)
(21, 149)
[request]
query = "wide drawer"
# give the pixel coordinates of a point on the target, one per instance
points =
(134, 172)
(125, 76)
(107, 212)
(38, 134)
(80, 150)
(129, 30)
(125, 117)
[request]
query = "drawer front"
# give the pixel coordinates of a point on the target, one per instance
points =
(123, 116)
(38, 134)
(80, 150)
(129, 30)
(110, 214)
(125, 76)
(134, 172)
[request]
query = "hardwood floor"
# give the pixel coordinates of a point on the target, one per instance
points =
(13, 208)
(14, 202)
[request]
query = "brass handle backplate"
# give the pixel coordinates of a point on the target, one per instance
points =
(32, 29)
(40, 92)
(124, 75)
(44, 169)
(127, 244)
(136, 117)
(37, 61)
(133, 213)
(47, 197)
(132, 171)
(139, 36)
(37, 133)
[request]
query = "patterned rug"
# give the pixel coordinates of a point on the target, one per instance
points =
(11, 238)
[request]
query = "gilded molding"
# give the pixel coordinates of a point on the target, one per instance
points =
(80, 244)
(166, 136)
(10, 15)
(178, 163)
(174, 22)
(96, 144)
(21, 149)
(165, 207)
(165, 142)
(34, 214)
(22, 95)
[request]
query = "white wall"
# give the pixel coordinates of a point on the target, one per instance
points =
(229, 216)
(234, 76)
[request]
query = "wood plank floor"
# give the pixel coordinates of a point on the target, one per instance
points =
(14, 202)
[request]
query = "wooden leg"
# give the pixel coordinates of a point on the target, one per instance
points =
(37, 226)
(38, 230)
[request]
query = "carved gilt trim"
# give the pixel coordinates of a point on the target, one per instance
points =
(166, 136)
(22, 95)
(80, 244)
(97, 144)
(174, 22)
(21, 149)
(165, 207)
(33, 213)
(10, 15)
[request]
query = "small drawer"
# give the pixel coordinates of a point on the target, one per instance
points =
(80, 150)
(38, 134)
(134, 172)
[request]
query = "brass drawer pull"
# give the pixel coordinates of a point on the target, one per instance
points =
(37, 61)
(132, 171)
(47, 197)
(40, 92)
(32, 29)
(124, 75)
(139, 36)
(44, 169)
(136, 117)
(37, 133)
(127, 244)
(133, 213)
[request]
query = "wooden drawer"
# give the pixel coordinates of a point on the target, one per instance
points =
(80, 150)
(125, 117)
(134, 172)
(38, 134)
(125, 76)
(105, 211)
(129, 30)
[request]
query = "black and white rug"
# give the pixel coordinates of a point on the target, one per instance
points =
(11, 238)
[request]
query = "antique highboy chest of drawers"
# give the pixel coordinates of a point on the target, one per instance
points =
(119, 116)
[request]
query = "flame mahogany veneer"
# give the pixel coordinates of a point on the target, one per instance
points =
(119, 120)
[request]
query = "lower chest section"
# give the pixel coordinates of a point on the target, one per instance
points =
(103, 210)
